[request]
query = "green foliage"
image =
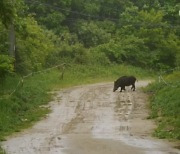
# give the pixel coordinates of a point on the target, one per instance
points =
(6, 65)
(96, 57)
(158, 42)
(75, 53)
(33, 47)
(137, 33)
(9, 11)
(3, 39)
(165, 106)
(92, 8)
(1, 151)
(113, 8)
(129, 50)
(50, 13)
(91, 34)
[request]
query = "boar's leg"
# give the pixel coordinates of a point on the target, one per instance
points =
(122, 88)
(133, 87)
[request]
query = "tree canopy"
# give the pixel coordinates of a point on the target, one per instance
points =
(142, 33)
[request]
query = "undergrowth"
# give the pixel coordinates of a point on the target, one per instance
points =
(165, 106)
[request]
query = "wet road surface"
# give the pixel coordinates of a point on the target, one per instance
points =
(92, 120)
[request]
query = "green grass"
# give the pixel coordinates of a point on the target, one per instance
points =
(1, 151)
(165, 106)
(23, 108)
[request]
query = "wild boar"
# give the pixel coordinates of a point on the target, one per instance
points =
(124, 81)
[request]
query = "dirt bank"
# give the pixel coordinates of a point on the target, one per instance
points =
(92, 120)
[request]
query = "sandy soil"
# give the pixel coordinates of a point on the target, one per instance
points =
(92, 120)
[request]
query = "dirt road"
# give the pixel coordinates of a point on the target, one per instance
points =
(92, 120)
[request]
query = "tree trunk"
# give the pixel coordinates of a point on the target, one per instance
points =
(12, 41)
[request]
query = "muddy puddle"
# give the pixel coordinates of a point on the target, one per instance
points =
(92, 120)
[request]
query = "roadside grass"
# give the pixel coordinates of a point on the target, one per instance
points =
(165, 106)
(24, 107)
(1, 151)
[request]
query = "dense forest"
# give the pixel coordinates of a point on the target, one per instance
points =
(37, 34)
(97, 39)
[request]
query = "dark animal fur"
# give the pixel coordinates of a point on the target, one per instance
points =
(124, 81)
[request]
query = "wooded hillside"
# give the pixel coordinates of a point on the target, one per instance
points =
(36, 34)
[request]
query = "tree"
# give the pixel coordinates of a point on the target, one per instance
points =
(50, 13)
(33, 46)
(7, 11)
(90, 34)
